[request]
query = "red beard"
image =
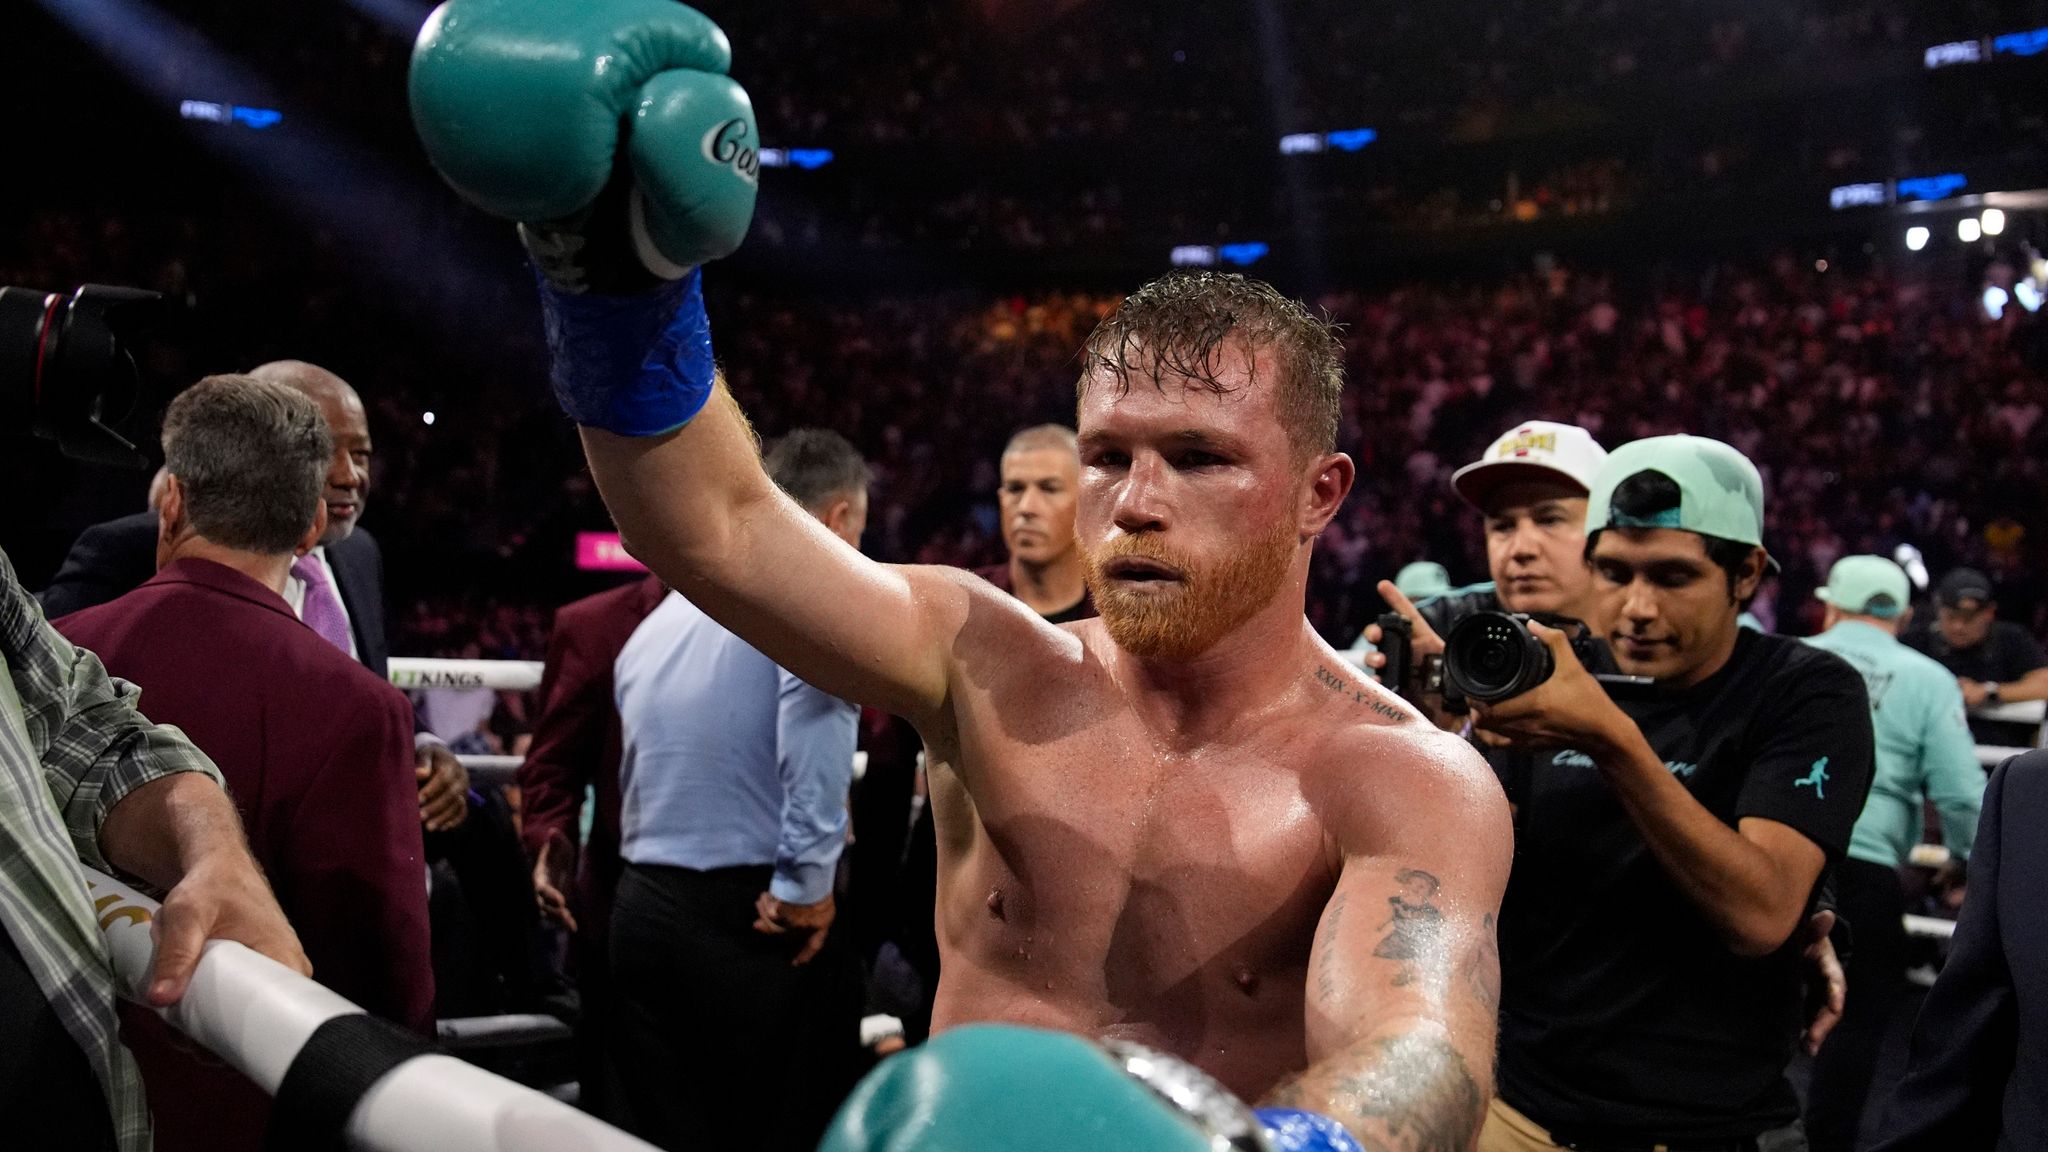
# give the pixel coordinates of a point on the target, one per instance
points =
(1180, 623)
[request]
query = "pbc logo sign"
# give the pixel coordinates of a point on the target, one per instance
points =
(729, 144)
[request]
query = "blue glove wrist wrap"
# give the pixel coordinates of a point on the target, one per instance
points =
(636, 365)
(1293, 1130)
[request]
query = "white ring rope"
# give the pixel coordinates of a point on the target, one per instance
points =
(499, 675)
(256, 1015)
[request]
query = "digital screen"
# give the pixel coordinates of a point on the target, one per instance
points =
(217, 113)
(1309, 143)
(1932, 187)
(806, 158)
(1876, 193)
(604, 552)
(1242, 255)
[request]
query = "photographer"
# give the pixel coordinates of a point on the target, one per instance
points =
(1668, 845)
(1531, 486)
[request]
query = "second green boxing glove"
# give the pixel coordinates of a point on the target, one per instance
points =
(999, 1088)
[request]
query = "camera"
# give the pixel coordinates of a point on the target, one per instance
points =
(1492, 656)
(1401, 672)
(66, 368)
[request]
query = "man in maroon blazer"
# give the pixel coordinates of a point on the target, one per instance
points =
(576, 745)
(317, 751)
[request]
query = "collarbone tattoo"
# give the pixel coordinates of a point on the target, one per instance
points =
(1337, 684)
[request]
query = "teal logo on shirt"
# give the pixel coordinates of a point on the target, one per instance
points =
(1818, 778)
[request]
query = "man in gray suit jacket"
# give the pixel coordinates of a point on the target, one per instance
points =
(1978, 1077)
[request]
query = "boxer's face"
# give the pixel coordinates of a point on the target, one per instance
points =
(1536, 547)
(1194, 508)
(1040, 491)
(1666, 603)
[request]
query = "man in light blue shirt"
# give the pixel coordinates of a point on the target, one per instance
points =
(1924, 752)
(737, 1019)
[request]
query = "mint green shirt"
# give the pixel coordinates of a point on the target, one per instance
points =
(1923, 746)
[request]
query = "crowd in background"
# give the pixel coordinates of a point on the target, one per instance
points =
(1883, 406)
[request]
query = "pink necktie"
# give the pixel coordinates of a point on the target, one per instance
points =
(321, 610)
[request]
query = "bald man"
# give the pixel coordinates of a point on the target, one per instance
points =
(348, 484)
(111, 559)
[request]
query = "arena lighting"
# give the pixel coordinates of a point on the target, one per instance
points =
(257, 118)
(1310, 143)
(1244, 255)
(1194, 256)
(2028, 294)
(2032, 42)
(1968, 230)
(1916, 238)
(809, 159)
(427, 418)
(1993, 221)
(1995, 300)
(324, 179)
(1875, 193)
(1932, 187)
(1955, 52)
(1909, 558)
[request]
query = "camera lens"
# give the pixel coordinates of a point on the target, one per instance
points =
(1492, 656)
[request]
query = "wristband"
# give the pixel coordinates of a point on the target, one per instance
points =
(637, 365)
(1294, 1130)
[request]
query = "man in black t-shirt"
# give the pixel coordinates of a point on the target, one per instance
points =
(1995, 661)
(1668, 848)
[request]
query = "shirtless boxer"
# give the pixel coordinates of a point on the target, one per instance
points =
(1200, 828)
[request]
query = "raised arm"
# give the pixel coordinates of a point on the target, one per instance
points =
(610, 130)
(1404, 978)
(696, 507)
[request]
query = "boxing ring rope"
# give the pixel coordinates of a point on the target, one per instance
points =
(497, 675)
(257, 1015)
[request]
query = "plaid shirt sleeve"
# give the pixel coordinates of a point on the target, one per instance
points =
(83, 725)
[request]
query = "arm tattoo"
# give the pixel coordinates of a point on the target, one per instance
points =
(1415, 932)
(1326, 963)
(1337, 684)
(1482, 971)
(1418, 1091)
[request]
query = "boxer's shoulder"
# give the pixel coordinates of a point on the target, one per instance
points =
(1379, 759)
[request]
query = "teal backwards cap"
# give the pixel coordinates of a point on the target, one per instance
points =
(1720, 493)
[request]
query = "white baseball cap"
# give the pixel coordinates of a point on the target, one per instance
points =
(1537, 450)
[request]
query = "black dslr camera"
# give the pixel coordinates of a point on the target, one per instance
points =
(66, 370)
(1491, 656)
(1401, 672)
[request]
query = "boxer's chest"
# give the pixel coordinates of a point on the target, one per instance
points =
(1160, 876)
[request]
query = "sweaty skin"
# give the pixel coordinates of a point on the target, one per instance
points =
(1251, 857)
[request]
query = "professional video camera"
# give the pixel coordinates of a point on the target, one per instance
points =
(66, 369)
(1491, 656)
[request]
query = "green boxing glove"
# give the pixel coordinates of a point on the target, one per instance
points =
(997, 1088)
(609, 130)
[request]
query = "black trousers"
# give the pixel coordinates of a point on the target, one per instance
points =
(49, 1096)
(720, 1042)
(1873, 900)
